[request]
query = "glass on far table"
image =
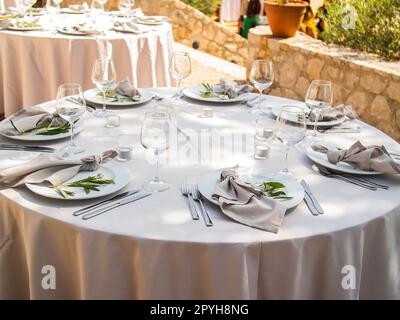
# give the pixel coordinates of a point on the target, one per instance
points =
(126, 6)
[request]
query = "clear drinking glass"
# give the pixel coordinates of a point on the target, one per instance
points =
(25, 5)
(290, 128)
(70, 106)
(180, 68)
(155, 136)
(99, 4)
(319, 96)
(262, 77)
(104, 77)
(126, 6)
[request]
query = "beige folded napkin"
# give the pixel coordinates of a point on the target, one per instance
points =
(330, 115)
(83, 28)
(230, 88)
(29, 119)
(242, 203)
(4, 24)
(374, 158)
(48, 168)
(129, 27)
(126, 89)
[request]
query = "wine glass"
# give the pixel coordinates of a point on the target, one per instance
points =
(57, 4)
(180, 68)
(104, 77)
(319, 97)
(70, 106)
(25, 5)
(155, 136)
(99, 4)
(290, 128)
(262, 77)
(126, 6)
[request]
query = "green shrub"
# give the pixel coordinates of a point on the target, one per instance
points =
(368, 25)
(208, 7)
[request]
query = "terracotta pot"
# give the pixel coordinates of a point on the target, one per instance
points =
(285, 20)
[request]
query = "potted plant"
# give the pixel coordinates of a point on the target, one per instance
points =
(285, 16)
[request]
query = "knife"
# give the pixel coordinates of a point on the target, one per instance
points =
(310, 204)
(26, 148)
(312, 197)
(102, 203)
(115, 205)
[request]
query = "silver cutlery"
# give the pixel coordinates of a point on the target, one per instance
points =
(185, 190)
(327, 173)
(311, 196)
(197, 197)
(117, 204)
(310, 204)
(18, 147)
(104, 202)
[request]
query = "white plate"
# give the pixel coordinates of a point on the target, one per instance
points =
(91, 96)
(195, 93)
(122, 29)
(70, 11)
(12, 28)
(322, 159)
(139, 20)
(31, 137)
(277, 110)
(113, 170)
(72, 33)
(209, 182)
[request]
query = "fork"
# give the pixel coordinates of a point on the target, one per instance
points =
(325, 172)
(197, 197)
(186, 192)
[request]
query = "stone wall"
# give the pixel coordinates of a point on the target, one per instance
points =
(367, 82)
(191, 27)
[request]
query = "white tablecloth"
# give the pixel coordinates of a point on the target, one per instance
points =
(34, 64)
(230, 10)
(153, 249)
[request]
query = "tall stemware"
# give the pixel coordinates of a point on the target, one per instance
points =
(154, 136)
(262, 77)
(104, 77)
(290, 128)
(180, 68)
(319, 97)
(70, 106)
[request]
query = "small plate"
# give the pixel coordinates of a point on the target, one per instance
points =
(322, 159)
(195, 93)
(72, 33)
(12, 28)
(122, 29)
(209, 182)
(147, 22)
(91, 96)
(277, 110)
(70, 11)
(31, 137)
(113, 170)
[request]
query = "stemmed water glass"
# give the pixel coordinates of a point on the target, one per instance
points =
(104, 77)
(70, 106)
(262, 77)
(126, 6)
(100, 4)
(25, 5)
(180, 68)
(319, 97)
(290, 128)
(155, 136)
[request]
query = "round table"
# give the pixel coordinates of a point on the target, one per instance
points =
(152, 249)
(33, 64)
